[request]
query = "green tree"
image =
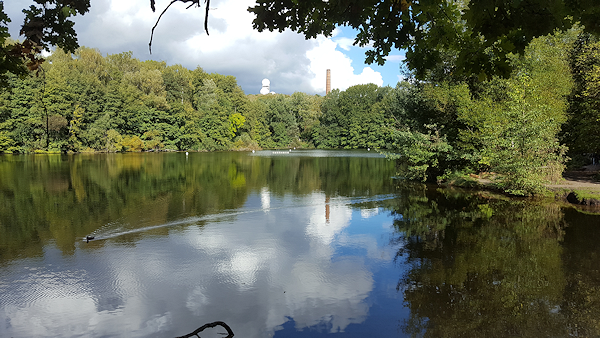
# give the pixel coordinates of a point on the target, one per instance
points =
(507, 126)
(74, 141)
(256, 126)
(26, 123)
(236, 121)
(582, 132)
(281, 120)
(307, 110)
(214, 119)
(178, 85)
(519, 129)
(355, 118)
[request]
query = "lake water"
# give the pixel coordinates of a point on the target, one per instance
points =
(300, 244)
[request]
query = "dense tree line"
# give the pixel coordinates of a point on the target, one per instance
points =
(87, 102)
(449, 124)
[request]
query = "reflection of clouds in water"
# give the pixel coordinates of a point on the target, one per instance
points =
(368, 213)
(35, 321)
(254, 272)
(292, 254)
(333, 292)
(242, 267)
(211, 241)
(265, 199)
(157, 323)
(319, 289)
(196, 300)
(71, 317)
(364, 242)
(327, 220)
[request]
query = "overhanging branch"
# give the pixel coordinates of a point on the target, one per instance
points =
(192, 2)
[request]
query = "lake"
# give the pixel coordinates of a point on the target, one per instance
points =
(282, 244)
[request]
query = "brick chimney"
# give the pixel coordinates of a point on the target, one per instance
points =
(328, 82)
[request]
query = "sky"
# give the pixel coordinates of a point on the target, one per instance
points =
(287, 59)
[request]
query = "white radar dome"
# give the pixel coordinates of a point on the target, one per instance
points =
(266, 82)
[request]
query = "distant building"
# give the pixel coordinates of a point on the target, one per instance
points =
(266, 87)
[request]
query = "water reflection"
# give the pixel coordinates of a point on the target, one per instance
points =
(176, 252)
(282, 246)
(484, 267)
(254, 273)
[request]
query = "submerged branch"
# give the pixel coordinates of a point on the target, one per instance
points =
(210, 325)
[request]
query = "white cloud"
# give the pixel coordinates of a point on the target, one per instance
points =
(291, 62)
(395, 58)
(325, 56)
(344, 43)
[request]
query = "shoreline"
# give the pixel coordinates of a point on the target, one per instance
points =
(578, 188)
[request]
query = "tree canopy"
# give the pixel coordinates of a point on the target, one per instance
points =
(478, 34)
(46, 24)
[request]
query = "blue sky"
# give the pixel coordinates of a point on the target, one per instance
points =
(289, 61)
(390, 71)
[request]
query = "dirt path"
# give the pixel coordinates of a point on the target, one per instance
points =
(582, 179)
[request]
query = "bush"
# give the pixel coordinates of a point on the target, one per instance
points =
(132, 143)
(418, 154)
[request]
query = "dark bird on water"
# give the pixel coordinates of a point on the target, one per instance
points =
(89, 238)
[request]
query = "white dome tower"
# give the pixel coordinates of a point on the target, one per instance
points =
(266, 87)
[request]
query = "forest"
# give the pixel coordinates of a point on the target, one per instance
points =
(523, 127)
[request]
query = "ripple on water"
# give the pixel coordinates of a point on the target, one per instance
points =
(40, 283)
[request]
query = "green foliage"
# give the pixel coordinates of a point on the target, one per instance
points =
(75, 129)
(448, 123)
(153, 140)
(281, 120)
(518, 128)
(356, 118)
(419, 154)
(478, 35)
(236, 121)
(520, 141)
(6, 142)
(506, 126)
(113, 141)
(307, 110)
(83, 96)
(132, 143)
(582, 132)
(245, 142)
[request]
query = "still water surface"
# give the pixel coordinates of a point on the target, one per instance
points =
(306, 244)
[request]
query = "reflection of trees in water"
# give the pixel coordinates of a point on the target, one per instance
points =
(58, 198)
(582, 264)
(482, 267)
